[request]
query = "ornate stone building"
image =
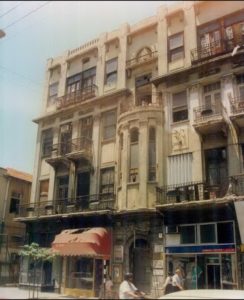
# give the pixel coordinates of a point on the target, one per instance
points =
(141, 133)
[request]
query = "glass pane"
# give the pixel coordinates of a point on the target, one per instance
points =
(187, 234)
(111, 78)
(177, 54)
(176, 41)
(111, 65)
(134, 159)
(207, 233)
(225, 232)
(179, 99)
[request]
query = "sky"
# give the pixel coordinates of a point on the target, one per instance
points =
(36, 31)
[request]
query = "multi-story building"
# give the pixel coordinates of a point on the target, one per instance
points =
(15, 187)
(141, 140)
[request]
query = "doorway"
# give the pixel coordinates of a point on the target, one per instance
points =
(83, 189)
(213, 276)
(140, 264)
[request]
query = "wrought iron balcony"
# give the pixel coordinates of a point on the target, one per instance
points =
(237, 184)
(87, 203)
(75, 149)
(141, 59)
(216, 48)
(205, 112)
(237, 105)
(77, 96)
(188, 192)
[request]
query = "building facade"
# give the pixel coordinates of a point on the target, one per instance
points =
(141, 133)
(15, 189)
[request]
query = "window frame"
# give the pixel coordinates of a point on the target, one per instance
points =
(107, 127)
(111, 73)
(180, 108)
(52, 96)
(111, 185)
(180, 48)
(47, 143)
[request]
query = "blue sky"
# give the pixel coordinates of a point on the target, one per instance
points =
(36, 31)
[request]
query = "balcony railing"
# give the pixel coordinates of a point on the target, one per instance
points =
(87, 203)
(237, 105)
(77, 96)
(205, 112)
(237, 184)
(215, 48)
(141, 59)
(192, 191)
(83, 144)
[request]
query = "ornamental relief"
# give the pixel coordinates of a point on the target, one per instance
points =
(180, 139)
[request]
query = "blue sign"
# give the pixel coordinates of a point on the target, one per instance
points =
(201, 248)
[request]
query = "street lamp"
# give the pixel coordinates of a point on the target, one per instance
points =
(2, 33)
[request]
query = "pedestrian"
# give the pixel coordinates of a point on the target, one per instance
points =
(127, 289)
(168, 287)
(177, 281)
(109, 289)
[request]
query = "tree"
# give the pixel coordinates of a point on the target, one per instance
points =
(36, 255)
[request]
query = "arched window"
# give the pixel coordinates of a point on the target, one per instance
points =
(134, 155)
(152, 155)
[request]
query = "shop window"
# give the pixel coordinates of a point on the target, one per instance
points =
(107, 181)
(47, 142)
(14, 202)
(52, 93)
(187, 234)
(134, 153)
(111, 70)
(179, 107)
(152, 155)
(109, 125)
(225, 232)
(176, 47)
(207, 233)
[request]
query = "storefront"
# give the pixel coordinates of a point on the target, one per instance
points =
(85, 253)
(206, 253)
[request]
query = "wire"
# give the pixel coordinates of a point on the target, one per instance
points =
(31, 12)
(10, 9)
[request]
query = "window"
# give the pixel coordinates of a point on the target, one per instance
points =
(88, 78)
(62, 188)
(212, 97)
(207, 233)
(86, 127)
(47, 142)
(152, 155)
(176, 47)
(111, 71)
(187, 234)
(14, 202)
(143, 80)
(240, 83)
(74, 83)
(53, 93)
(225, 232)
(179, 107)
(65, 138)
(109, 125)
(44, 185)
(107, 181)
(134, 152)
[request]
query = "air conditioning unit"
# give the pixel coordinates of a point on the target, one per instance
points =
(172, 229)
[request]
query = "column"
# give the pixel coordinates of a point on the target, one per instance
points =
(122, 56)
(63, 76)
(143, 163)
(124, 167)
(162, 40)
(101, 63)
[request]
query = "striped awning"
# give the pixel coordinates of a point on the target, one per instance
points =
(95, 242)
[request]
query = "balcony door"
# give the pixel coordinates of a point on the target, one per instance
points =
(65, 138)
(216, 169)
(83, 189)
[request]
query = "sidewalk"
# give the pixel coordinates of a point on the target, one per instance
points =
(17, 293)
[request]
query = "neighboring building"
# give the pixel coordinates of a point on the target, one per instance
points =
(15, 187)
(142, 134)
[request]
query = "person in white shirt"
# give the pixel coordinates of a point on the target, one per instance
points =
(177, 281)
(127, 289)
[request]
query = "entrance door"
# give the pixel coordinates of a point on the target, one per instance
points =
(213, 276)
(83, 189)
(140, 264)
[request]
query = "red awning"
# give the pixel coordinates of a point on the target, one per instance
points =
(95, 242)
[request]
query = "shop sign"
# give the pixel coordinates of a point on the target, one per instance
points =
(118, 253)
(201, 249)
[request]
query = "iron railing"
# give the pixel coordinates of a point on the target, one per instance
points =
(237, 105)
(205, 112)
(215, 48)
(82, 144)
(191, 191)
(237, 184)
(77, 96)
(97, 202)
(140, 59)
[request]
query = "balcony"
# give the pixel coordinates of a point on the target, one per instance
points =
(189, 192)
(80, 204)
(210, 119)
(214, 49)
(77, 97)
(77, 149)
(141, 60)
(237, 184)
(237, 111)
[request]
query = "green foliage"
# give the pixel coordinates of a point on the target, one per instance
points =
(36, 253)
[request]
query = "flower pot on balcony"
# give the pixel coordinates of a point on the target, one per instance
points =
(30, 211)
